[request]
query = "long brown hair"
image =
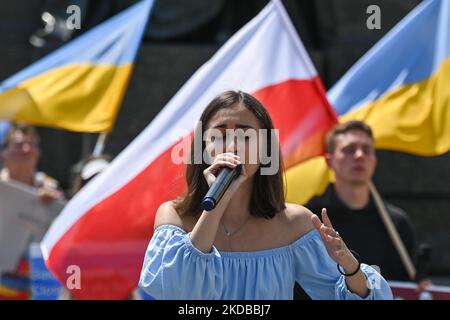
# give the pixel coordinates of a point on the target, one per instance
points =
(268, 196)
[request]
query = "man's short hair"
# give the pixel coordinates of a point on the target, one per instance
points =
(343, 128)
(19, 127)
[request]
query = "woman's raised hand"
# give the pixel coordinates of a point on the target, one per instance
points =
(333, 242)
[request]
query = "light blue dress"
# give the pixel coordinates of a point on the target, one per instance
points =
(174, 269)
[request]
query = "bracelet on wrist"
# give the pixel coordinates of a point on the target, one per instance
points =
(356, 255)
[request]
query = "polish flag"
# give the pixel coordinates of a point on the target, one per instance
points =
(105, 229)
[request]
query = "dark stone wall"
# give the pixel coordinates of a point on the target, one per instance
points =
(18, 20)
(335, 35)
(420, 185)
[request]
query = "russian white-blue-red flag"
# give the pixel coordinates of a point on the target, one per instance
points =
(106, 227)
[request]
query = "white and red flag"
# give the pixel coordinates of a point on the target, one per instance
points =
(105, 229)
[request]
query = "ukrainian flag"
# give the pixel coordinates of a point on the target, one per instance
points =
(80, 86)
(401, 88)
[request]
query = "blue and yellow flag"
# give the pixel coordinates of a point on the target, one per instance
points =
(401, 88)
(80, 86)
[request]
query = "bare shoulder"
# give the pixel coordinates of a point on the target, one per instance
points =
(167, 214)
(298, 219)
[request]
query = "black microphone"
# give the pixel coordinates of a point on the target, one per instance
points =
(219, 186)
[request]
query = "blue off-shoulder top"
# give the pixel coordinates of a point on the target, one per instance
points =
(175, 269)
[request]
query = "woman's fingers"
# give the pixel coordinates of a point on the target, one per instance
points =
(328, 234)
(326, 220)
(316, 222)
(228, 160)
(227, 156)
(333, 242)
(211, 172)
(224, 160)
(224, 163)
(322, 227)
(330, 231)
(337, 242)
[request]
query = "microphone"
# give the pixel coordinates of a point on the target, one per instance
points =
(219, 186)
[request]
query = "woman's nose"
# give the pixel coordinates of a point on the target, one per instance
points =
(231, 145)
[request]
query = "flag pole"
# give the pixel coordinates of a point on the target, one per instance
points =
(100, 144)
(393, 233)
